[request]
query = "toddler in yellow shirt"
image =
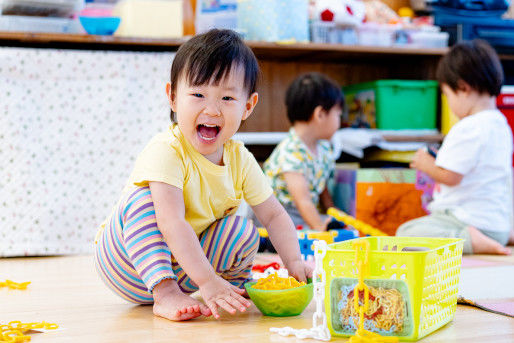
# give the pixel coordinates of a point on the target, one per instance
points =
(174, 230)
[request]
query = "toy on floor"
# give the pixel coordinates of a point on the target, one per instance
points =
(360, 226)
(306, 239)
(383, 289)
(14, 285)
(339, 232)
(282, 297)
(15, 331)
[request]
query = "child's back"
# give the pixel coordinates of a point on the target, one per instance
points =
(480, 148)
(473, 168)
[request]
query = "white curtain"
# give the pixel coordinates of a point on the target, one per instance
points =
(71, 124)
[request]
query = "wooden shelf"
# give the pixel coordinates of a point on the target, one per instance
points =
(270, 50)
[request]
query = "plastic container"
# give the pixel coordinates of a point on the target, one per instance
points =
(274, 20)
(448, 118)
(483, 24)
(42, 8)
(429, 39)
(426, 274)
(38, 24)
(393, 104)
(150, 18)
(281, 303)
(100, 25)
(505, 103)
(375, 34)
(329, 32)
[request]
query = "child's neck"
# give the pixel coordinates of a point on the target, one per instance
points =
(308, 135)
(483, 103)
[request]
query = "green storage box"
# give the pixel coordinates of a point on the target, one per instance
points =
(392, 104)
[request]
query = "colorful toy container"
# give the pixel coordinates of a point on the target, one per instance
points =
(422, 273)
(393, 104)
(273, 20)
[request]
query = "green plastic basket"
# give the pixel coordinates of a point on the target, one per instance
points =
(281, 303)
(425, 270)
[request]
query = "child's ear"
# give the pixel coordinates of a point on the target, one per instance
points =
(319, 113)
(171, 96)
(253, 99)
(463, 86)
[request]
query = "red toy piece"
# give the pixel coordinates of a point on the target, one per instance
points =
(262, 267)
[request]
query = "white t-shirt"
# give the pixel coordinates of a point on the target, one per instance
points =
(480, 148)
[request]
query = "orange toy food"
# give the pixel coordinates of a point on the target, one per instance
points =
(276, 282)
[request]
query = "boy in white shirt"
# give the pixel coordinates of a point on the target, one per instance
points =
(473, 168)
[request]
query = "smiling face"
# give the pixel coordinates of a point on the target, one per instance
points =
(209, 115)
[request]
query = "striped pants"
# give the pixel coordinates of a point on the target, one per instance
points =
(132, 256)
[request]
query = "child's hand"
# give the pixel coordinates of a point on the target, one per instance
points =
(422, 160)
(299, 270)
(219, 292)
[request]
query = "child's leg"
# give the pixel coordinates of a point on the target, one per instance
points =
(482, 244)
(133, 258)
(445, 224)
(230, 246)
(437, 225)
(113, 262)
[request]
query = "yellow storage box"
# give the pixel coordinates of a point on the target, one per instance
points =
(150, 18)
(448, 119)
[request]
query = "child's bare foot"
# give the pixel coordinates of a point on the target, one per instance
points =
(484, 245)
(172, 304)
(511, 238)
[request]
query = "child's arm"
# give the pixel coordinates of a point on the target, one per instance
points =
(283, 236)
(326, 199)
(426, 163)
(185, 247)
(298, 188)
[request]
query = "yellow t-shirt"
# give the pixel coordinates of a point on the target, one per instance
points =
(210, 191)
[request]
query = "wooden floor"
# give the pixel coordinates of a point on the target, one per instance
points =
(67, 291)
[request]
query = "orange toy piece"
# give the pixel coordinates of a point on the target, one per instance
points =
(275, 282)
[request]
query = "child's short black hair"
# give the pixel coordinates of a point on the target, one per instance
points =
(209, 57)
(474, 62)
(309, 91)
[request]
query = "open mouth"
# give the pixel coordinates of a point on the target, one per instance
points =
(208, 132)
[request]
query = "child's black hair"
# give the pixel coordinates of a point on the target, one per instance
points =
(309, 91)
(474, 62)
(210, 56)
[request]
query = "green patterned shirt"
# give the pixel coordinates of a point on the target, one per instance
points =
(292, 155)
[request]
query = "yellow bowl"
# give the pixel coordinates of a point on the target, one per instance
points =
(280, 302)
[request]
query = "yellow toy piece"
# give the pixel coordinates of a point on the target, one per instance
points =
(262, 232)
(361, 260)
(357, 224)
(14, 332)
(14, 285)
(273, 281)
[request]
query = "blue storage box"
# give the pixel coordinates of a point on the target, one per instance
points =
(468, 25)
(273, 20)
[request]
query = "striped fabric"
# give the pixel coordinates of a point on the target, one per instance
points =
(132, 256)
